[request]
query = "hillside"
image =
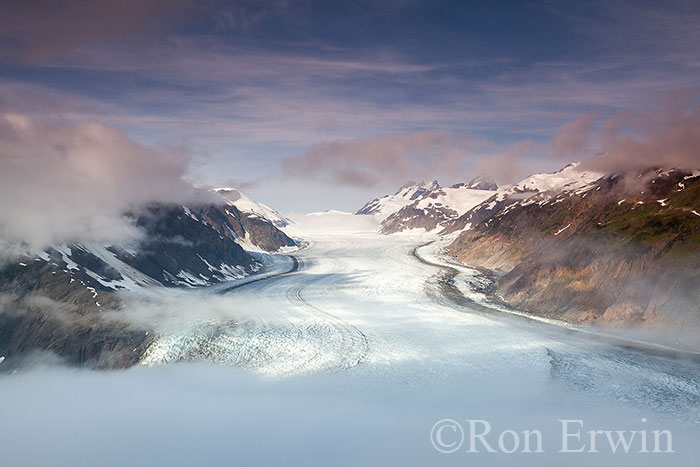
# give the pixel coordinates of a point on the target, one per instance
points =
(622, 250)
(57, 301)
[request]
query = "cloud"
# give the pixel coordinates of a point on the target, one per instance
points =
(198, 414)
(39, 30)
(506, 166)
(666, 135)
(64, 182)
(59, 312)
(573, 137)
(367, 162)
(242, 185)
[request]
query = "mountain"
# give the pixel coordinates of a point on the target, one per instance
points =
(427, 206)
(55, 301)
(251, 207)
(568, 179)
(181, 246)
(435, 209)
(389, 204)
(481, 182)
(620, 250)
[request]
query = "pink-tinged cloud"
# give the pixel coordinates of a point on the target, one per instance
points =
(665, 136)
(506, 166)
(574, 138)
(38, 30)
(367, 162)
(61, 183)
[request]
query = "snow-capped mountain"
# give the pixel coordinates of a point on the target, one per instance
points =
(181, 246)
(571, 177)
(389, 204)
(622, 249)
(566, 180)
(481, 182)
(247, 205)
(435, 209)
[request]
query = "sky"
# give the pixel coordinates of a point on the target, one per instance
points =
(314, 105)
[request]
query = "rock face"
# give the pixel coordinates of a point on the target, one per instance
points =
(45, 308)
(622, 250)
(248, 230)
(182, 249)
(57, 302)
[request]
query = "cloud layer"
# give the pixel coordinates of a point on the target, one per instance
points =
(367, 162)
(40, 30)
(64, 182)
(663, 134)
(253, 83)
(666, 136)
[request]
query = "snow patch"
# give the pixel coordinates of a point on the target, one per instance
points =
(562, 229)
(189, 213)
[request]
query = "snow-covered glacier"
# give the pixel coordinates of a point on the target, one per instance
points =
(349, 357)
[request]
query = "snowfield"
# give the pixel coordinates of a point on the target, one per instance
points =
(458, 199)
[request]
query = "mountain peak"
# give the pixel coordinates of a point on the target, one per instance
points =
(243, 203)
(482, 182)
(407, 194)
(418, 186)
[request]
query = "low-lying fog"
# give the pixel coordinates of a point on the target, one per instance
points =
(187, 414)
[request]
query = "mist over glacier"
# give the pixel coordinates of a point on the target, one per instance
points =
(299, 385)
(199, 414)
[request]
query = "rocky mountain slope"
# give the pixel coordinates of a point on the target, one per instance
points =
(55, 302)
(568, 179)
(427, 206)
(250, 207)
(622, 250)
(438, 208)
(407, 194)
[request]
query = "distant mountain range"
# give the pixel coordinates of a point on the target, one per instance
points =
(427, 207)
(389, 204)
(580, 246)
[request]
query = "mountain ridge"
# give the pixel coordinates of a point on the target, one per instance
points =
(56, 301)
(623, 250)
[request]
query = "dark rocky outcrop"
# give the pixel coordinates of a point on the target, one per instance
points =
(45, 309)
(232, 224)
